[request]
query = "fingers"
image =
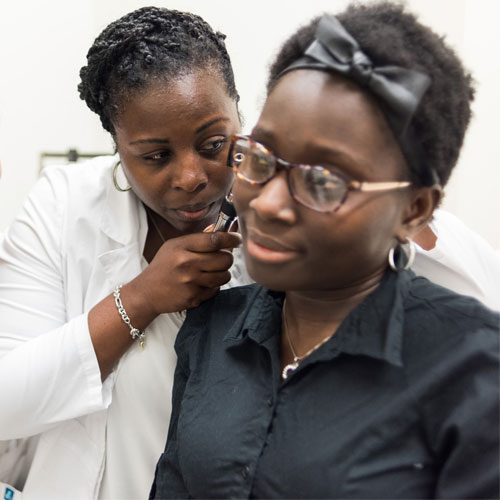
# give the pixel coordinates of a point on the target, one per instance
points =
(213, 280)
(233, 228)
(190, 263)
(192, 294)
(202, 295)
(188, 270)
(211, 242)
(213, 262)
(207, 285)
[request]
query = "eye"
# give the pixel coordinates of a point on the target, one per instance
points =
(213, 146)
(159, 157)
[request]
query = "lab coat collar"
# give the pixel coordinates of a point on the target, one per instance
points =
(125, 220)
(122, 219)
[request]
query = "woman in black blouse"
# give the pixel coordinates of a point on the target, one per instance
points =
(343, 375)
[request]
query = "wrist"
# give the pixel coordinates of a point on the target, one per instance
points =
(137, 304)
(135, 333)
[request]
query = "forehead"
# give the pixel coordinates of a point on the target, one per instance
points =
(310, 110)
(191, 96)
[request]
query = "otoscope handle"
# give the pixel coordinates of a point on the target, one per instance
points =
(227, 216)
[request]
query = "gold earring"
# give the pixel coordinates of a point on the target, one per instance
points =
(115, 182)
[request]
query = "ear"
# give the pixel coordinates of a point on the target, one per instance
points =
(418, 212)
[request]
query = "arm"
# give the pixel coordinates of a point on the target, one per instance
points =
(465, 421)
(185, 272)
(55, 365)
(47, 365)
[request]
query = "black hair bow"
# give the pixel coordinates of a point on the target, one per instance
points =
(398, 90)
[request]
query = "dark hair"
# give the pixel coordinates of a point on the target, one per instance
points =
(144, 45)
(389, 35)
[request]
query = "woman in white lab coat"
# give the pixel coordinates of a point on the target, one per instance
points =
(102, 259)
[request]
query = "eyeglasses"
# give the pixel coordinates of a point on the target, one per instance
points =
(313, 186)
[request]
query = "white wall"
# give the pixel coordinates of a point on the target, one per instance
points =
(43, 45)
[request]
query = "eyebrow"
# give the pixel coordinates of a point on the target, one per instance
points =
(203, 127)
(159, 140)
(153, 140)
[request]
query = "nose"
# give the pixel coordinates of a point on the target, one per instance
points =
(188, 174)
(274, 201)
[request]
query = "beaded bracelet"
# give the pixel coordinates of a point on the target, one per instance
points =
(134, 332)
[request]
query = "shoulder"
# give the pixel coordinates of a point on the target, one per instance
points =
(78, 178)
(439, 322)
(217, 316)
(435, 301)
(86, 198)
(225, 308)
(73, 187)
(58, 195)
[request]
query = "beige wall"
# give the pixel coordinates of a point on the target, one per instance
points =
(43, 45)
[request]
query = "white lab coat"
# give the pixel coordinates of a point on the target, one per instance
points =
(74, 240)
(461, 261)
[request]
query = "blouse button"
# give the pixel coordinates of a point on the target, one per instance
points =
(245, 471)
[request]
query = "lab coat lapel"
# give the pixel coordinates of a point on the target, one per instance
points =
(126, 225)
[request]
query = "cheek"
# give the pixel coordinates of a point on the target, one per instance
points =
(145, 186)
(224, 177)
(136, 178)
(243, 194)
(363, 235)
(354, 243)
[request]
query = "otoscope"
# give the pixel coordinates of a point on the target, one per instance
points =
(227, 214)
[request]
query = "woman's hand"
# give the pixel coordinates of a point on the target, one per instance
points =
(187, 271)
(184, 272)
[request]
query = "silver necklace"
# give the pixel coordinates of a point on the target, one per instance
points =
(290, 367)
(156, 226)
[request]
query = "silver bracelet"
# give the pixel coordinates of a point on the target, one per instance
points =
(134, 332)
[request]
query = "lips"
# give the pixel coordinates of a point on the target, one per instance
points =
(268, 248)
(194, 212)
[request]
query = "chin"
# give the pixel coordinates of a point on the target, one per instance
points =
(269, 276)
(185, 227)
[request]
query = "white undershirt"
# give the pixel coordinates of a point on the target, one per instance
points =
(139, 415)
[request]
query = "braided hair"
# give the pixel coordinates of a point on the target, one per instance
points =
(145, 45)
(390, 35)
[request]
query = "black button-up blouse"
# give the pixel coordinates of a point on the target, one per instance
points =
(402, 402)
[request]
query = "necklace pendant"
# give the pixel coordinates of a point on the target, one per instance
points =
(288, 369)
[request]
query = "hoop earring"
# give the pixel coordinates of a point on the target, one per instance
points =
(411, 255)
(115, 181)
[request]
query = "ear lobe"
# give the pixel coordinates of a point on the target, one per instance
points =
(422, 203)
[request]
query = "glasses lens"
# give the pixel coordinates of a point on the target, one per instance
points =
(252, 163)
(317, 187)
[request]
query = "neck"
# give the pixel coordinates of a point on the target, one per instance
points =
(314, 316)
(159, 231)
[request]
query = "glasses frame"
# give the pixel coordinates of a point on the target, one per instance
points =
(280, 164)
